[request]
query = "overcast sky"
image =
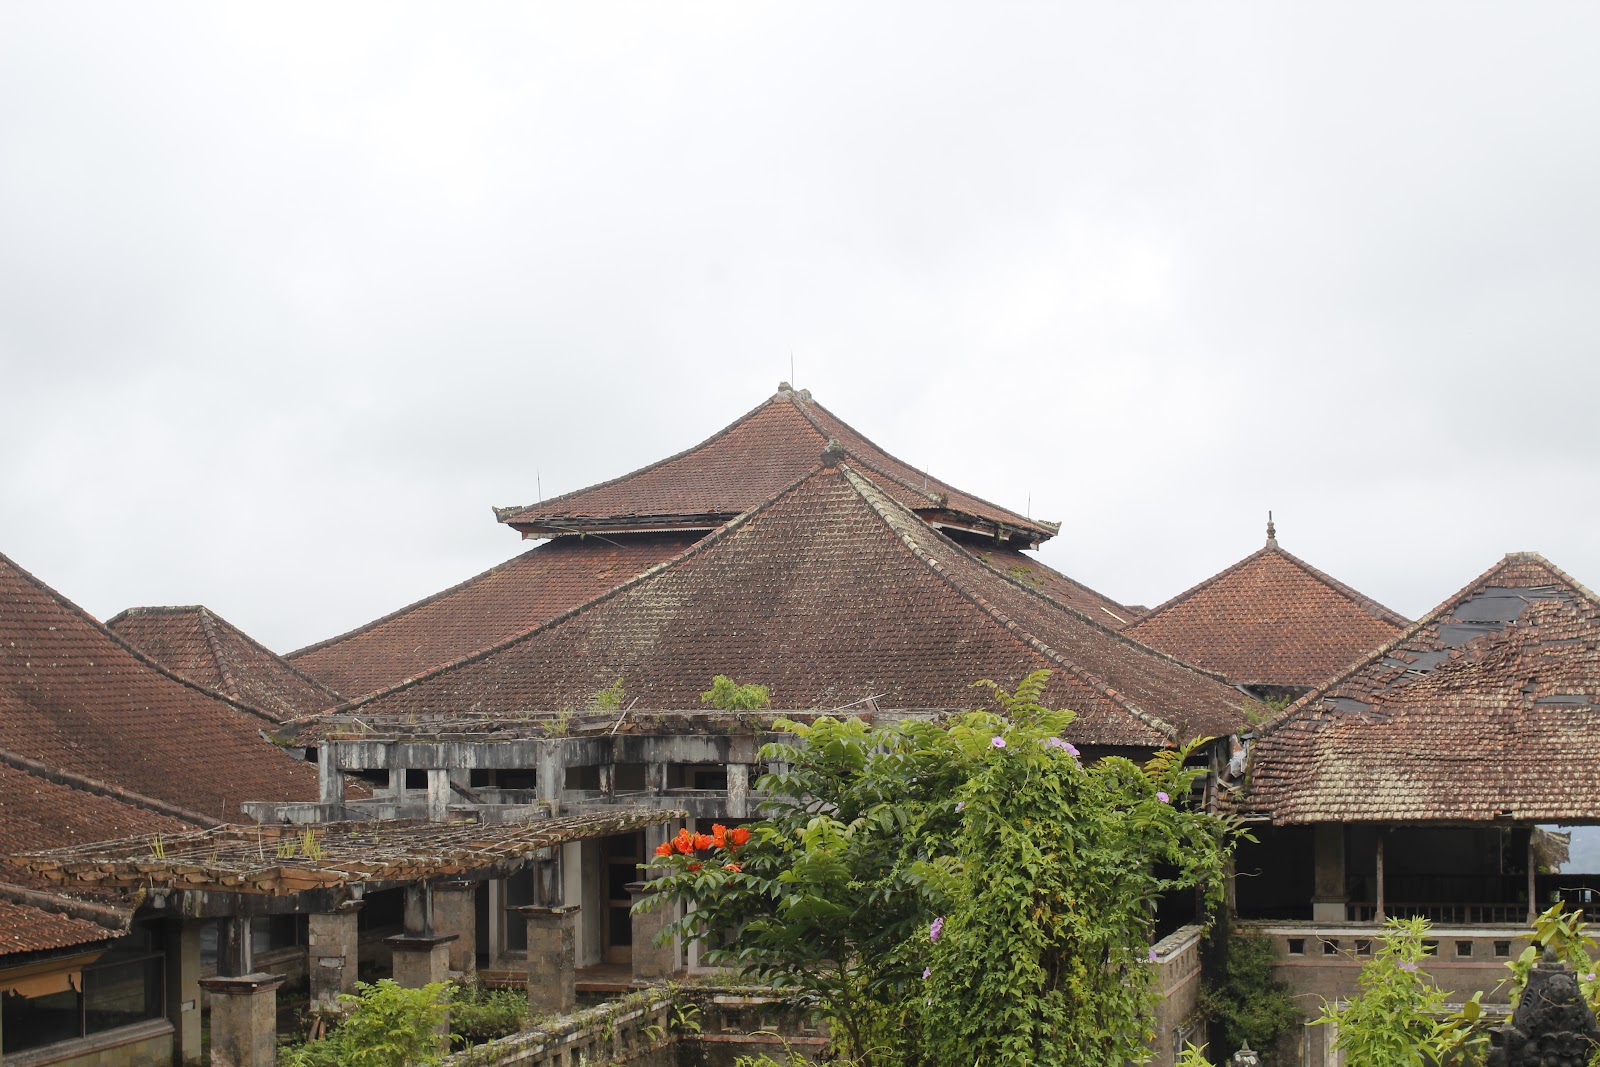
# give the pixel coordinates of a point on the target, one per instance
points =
(291, 294)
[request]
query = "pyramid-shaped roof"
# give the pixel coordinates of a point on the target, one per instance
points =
(524, 592)
(196, 643)
(74, 695)
(1487, 709)
(1272, 619)
(747, 462)
(830, 593)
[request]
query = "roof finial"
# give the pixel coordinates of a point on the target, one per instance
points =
(833, 454)
(1272, 532)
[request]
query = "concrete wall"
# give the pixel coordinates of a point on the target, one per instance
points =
(635, 1030)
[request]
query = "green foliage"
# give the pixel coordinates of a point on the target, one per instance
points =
(1043, 871)
(387, 1026)
(610, 698)
(1398, 1018)
(1192, 1056)
(728, 695)
(1241, 995)
(479, 1014)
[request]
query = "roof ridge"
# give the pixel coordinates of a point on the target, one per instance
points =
(866, 490)
(1039, 524)
(1069, 579)
(1446, 605)
(127, 646)
(216, 652)
(1360, 599)
(74, 780)
(507, 514)
(317, 646)
(714, 537)
(234, 631)
(152, 609)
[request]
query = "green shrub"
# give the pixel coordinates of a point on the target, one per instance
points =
(728, 695)
(478, 1014)
(387, 1026)
(1242, 997)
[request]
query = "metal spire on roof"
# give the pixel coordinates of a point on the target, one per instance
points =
(1272, 532)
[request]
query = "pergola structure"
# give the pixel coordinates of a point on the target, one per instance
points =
(236, 871)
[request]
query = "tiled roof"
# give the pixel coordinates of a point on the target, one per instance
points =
(1488, 708)
(37, 812)
(516, 596)
(74, 695)
(28, 929)
(212, 652)
(1270, 619)
(829, 593)
(1021, 567)
(747, 462)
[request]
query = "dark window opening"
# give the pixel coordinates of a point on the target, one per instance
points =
(1502, 949)
(416, 779)
(628, 777)
(583, 777)
(126, 985)
(1297, 946)
(1330, 948)
(1463, 948)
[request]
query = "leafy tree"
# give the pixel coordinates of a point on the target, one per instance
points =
(947, 896)
(1240, 994)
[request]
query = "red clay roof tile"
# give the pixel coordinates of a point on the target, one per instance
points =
(1271, 619)
(745, 463)
(29, 929)
(199, 645)
(829, 593)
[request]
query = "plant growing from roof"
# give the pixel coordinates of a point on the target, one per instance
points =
(610, 698)
(941, 898)
(727, 695)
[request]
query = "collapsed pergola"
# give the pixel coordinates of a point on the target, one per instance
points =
(277, 860)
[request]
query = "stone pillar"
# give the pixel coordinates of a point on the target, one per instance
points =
(244, 1019)
(455, 912)
(552, 958)
(549, 774)
(1329, 897)
(418, 915)
(235, 947)
(420, 959)
(738, 791)
(183, 990)
(652, 962)
(333, 952)
(655, 775)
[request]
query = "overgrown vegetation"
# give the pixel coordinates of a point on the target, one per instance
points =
(727, 695)
(386, 1025)
(1245, 1004)
(479, 1014)
(610, 698)
(944, 896)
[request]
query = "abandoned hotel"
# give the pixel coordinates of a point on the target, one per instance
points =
(195, 829)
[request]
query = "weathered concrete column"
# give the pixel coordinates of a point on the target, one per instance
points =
(235, 948)
(651, 962)
(244, 1019)
(330, 779)
(552, 958)
(455, 911)
(183, 990)
(438, 794)
(1329, 897)
(1378, 915)
(549, 774)
(333, 951)
(738, 791)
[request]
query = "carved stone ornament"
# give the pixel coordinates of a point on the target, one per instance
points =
(1552, 1026)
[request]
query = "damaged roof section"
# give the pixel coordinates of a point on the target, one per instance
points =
(830, 593)
(197, 644)
(1485, 710)
(747, 462)
(1270, 620)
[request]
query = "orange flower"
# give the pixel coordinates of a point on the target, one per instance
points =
(664, 849)
(739, 836)
(719, 835)
(734, 867)
(702, 841)
(683, 842)
(694, 866)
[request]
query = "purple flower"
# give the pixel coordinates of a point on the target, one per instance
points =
(1072, 750)
(998, 742)
(1409, 968)
(1589, 977)
(1162, 796)
(1066, 746)
(960, 804)
(927, 973)
(936, 929)
(1152, 956)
